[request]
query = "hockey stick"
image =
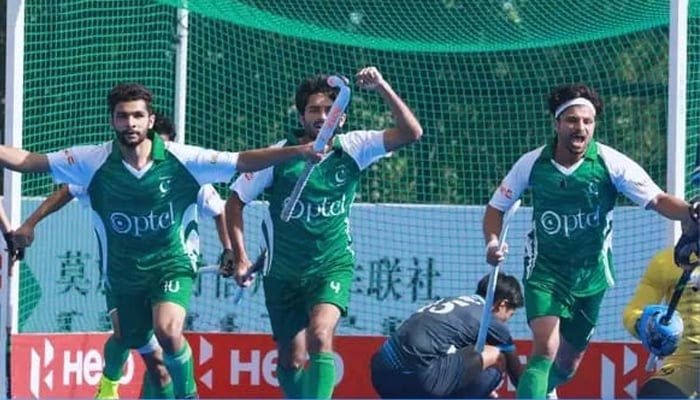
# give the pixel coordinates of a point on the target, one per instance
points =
(327, 130)
(672, 304)
(488, 302)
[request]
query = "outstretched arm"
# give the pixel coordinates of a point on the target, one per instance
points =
(407, 129)
(23, 161)
(24, 235)
(255, 160)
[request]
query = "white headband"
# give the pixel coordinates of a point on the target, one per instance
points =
(578, 101)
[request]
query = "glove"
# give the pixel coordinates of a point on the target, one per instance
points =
(15, 254)
(227, 263)
(661, 340)
(686, 251)
(695, 209)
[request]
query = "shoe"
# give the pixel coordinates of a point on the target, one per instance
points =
(107, 389)
(552, 394)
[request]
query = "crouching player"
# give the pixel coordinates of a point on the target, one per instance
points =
(679, 376)
(432, 353)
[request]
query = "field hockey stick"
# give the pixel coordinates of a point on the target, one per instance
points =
(675, 298)
(488, 302)
(327, 130)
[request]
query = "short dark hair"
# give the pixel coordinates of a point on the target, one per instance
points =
(164, 126)
(313, 85)
(507, 288)
(129, 92)
(564, 93)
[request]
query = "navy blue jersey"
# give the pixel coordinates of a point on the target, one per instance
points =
(445, 326)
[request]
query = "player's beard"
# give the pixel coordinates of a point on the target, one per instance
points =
(122, 136)
(312, 129)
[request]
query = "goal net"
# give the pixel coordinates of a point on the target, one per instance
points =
(476, 74)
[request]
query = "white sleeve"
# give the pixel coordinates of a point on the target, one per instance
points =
(209, 203)
(516, 181)
(250, 184)
(206, 165)
(365, 147)
(80, 193)
(629, 177)
(77, 165)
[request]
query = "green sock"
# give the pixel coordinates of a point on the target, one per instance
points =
(151, 390)
(181, 369)
(115, 356)
(291, 381)
(533, 382)
(320, 377)
(557, 377)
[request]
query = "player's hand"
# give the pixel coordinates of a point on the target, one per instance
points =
(23, 236)
(659, 338)
(242, 277)
(15, 252)
(686, 252)
(226, 263)
(369, 78)
(495, 253)
(311, 155)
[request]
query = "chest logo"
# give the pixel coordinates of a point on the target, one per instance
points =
(164, 186)
(341, 176)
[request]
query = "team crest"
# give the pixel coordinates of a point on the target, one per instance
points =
(340, 176)
(592, 190)
(214, 157)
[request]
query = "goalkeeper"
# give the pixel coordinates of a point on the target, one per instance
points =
(432, 353)
(679, 341)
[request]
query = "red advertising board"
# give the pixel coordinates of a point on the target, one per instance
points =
(243, 366)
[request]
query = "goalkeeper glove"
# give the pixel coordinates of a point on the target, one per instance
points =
(659, 338)
(686, 251)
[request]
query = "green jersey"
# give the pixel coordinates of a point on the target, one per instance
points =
(570, 244)
(143, 217)
(317, 235)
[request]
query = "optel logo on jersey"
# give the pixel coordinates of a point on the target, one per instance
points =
(325, 209)
(555, 224)
(137, 225)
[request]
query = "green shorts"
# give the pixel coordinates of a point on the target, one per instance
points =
(290, 301)
(578, 315)
(135, 312)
